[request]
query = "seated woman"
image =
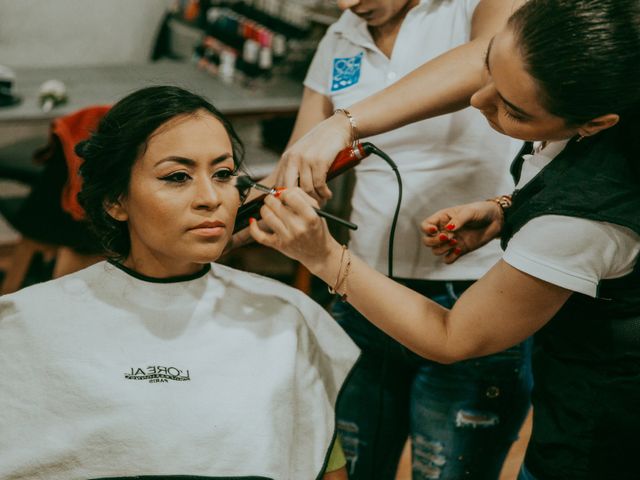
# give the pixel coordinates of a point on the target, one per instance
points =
(158, 362)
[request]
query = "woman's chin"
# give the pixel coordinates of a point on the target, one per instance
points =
(209, 255)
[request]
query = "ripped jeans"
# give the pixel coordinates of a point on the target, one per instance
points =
(462, 418)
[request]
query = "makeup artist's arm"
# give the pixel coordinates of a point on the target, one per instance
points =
(442, 85)
(500, 310)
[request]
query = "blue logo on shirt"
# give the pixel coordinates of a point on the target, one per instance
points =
(346, 72)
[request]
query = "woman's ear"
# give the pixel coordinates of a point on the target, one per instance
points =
(116, 210)
(598, 124)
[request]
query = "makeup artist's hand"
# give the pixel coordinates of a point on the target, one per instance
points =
(456, 231)
(296, 230)
(306, 162)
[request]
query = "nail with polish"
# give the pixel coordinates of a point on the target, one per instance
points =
(457, 251)
(450, 227)
(453, 242)
(443, 237)
(432, 229)
(252, 220)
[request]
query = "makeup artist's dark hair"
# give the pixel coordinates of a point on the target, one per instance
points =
(584, 55)
(121, 137)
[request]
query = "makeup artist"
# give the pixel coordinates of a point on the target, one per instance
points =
(563, 75)
(462, 418)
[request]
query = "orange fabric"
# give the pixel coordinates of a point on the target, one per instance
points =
(70, 130)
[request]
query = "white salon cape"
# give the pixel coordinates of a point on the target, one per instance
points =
(222, 374)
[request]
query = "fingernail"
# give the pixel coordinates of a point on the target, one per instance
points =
(278, 193)
(453, 242)
(457, 251)
(433, 229)
(280, 189)
(450, 227)
(252, 220)
(443, 237)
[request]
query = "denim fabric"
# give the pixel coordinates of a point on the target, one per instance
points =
(462, 418)
(525, 474)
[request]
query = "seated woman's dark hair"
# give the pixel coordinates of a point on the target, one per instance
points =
(121, 137)
(585, 55)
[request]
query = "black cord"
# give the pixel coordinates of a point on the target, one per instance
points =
(369, 147)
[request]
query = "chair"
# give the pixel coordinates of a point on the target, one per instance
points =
(50, 218)
(14, 164)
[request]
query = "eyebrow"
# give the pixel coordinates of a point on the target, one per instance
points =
(190, 162)
(506, 102)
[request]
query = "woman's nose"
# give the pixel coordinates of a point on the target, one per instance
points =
(207, 195)
(485, 98)
(345, 4)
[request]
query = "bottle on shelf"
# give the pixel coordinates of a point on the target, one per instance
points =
(227, 68)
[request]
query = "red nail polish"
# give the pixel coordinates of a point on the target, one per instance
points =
(277, 194)
(433, 229)
(457, 251)
(443, 237)
(450, 227)
(252, 220)
(453, 242)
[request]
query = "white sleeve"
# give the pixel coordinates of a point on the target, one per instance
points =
(573, 253)
(319, 74)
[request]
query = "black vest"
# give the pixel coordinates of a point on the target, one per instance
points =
(586, 360)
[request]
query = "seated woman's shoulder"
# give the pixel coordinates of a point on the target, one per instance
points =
(49, 296)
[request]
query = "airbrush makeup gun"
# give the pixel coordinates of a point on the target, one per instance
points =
(245, 182)
(346, 159)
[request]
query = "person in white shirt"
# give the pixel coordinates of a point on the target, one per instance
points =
(159, 363)
(566, 76)
(460, 418)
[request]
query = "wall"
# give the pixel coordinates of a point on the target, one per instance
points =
(78, 32)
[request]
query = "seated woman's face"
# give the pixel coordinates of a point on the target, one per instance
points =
(510, 98)
(182, 201)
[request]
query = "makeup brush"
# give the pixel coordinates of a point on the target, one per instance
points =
(244, 183)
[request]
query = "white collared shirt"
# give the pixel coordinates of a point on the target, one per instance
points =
(571, 252)
(444, 161)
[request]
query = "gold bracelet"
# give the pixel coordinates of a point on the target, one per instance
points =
(341, 279)
(503, 200)
(345, 278)
(354, 126)
(333, 290)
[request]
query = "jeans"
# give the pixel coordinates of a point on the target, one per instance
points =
(525, 474)
(462, 418)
